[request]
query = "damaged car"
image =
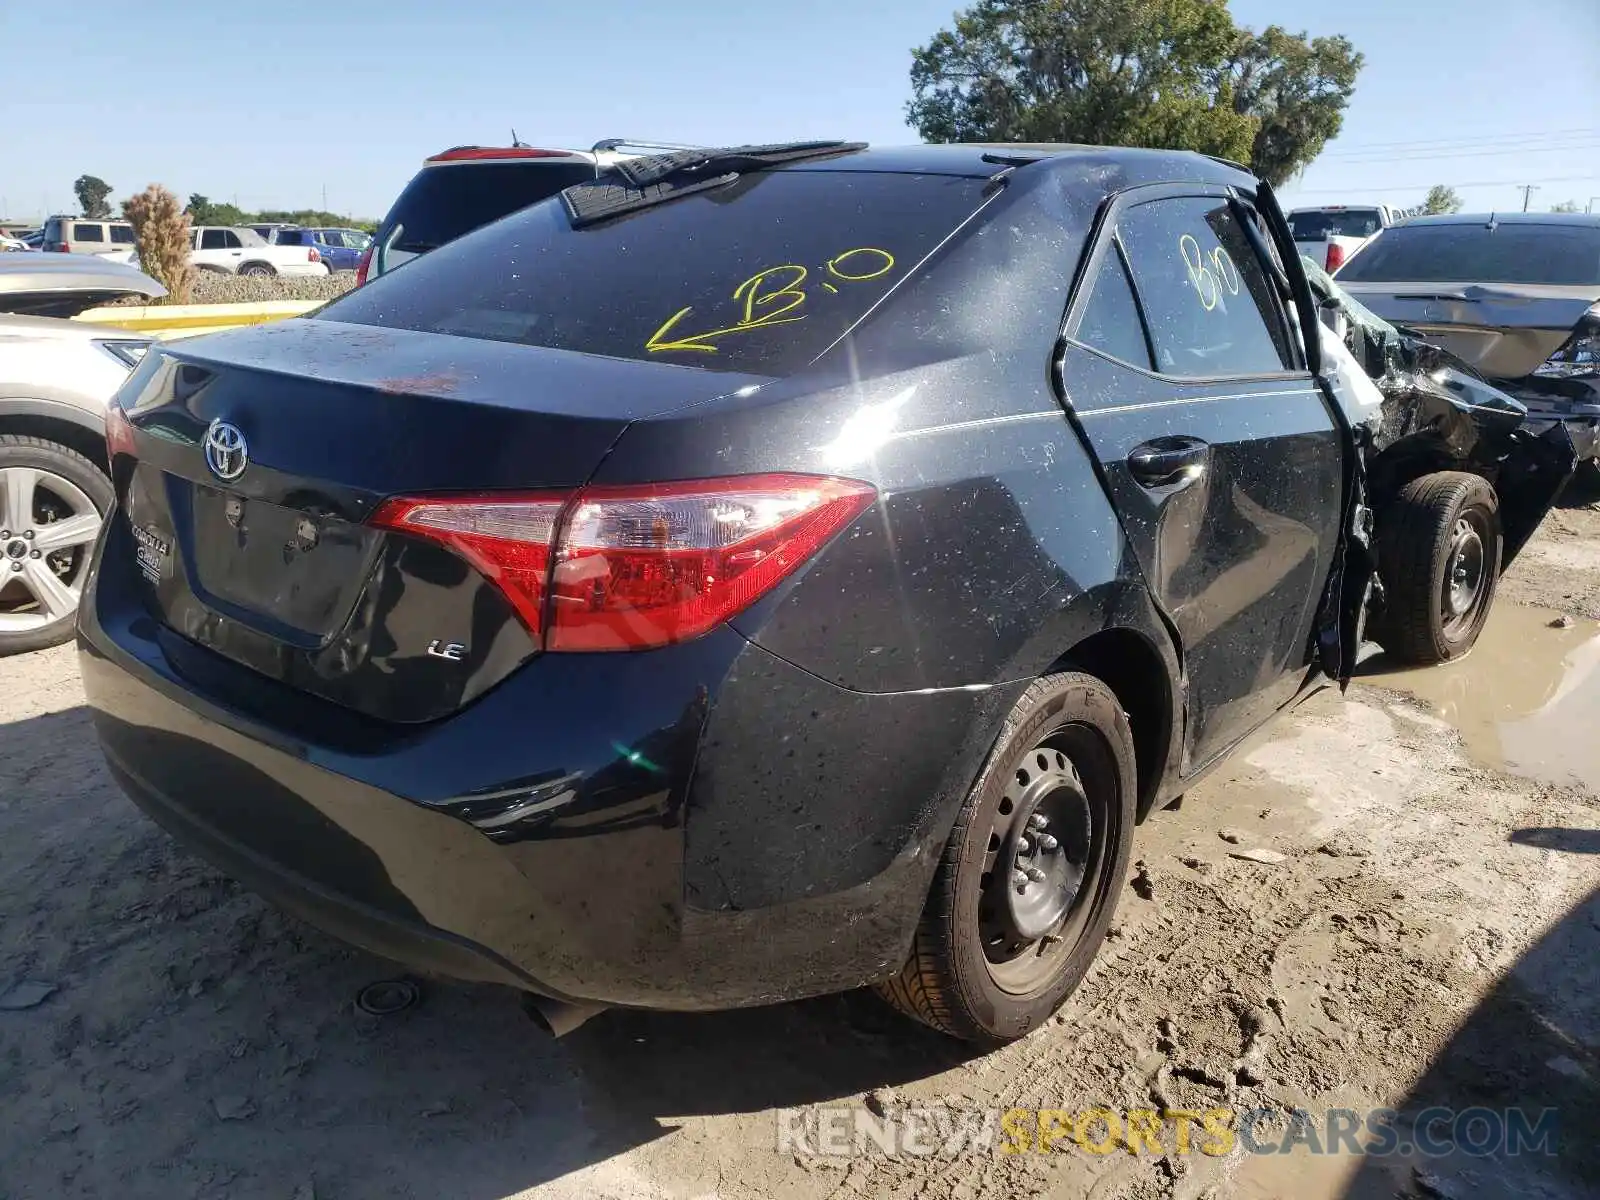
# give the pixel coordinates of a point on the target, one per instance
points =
(1516, 295)
(779, 569)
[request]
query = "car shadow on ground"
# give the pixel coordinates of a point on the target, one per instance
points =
(199, 1042)
(1532, 1044)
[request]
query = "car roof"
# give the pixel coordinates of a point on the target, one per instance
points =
(1586, 220)
(72, 273)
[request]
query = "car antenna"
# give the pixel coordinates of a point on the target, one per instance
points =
(515, 144)
(1494, 223)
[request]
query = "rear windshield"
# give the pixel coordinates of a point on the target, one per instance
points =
(762, 275)
(442, 203)
(1474, 253)
(1349, 222)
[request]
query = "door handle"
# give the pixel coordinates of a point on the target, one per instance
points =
(1164, 461)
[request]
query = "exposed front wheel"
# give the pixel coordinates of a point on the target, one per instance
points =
(257, 269)
(52, 502)
(1030, 876)
(1439, 559)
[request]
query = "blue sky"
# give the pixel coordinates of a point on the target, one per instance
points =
(271, 103)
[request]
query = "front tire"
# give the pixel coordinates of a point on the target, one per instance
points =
(1439, 550)
(1031, 873)
(52, 503)
(257, 270)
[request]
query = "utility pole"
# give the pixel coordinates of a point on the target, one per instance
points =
(1527, 190)
(1589, 208)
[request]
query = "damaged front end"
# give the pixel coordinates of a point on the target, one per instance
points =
(1413, 409)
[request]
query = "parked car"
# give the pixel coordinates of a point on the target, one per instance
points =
(769, 571)
(244, 252)
(1515, 294)
(1330, 235)
(79, 235)
(9, 244)
(467, 187)
(266, 229)
(56, 379)
(340, 249)
(33, 240)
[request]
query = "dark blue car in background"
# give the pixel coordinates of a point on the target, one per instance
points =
(340, 248)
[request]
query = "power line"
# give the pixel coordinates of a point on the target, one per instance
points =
(1464, 183)
(1448, 139)
(1465, 152)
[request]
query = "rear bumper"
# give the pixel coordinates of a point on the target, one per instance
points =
(699, 827)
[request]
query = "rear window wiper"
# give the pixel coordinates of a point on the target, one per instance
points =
(636, 183)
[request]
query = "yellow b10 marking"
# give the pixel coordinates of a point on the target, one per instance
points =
(773, 296)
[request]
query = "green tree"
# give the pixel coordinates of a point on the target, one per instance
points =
(1173, 73)
(203, 211)
(1565, 206)
(92, 192)
(1441, 199)
(1296, 88)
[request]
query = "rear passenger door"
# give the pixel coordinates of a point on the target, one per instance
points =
(1188, 381)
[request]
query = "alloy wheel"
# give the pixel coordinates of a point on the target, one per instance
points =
(47, 528)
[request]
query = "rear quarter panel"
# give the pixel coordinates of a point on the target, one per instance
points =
(993, 546)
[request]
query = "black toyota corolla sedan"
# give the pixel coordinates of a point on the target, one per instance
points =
(776, 571)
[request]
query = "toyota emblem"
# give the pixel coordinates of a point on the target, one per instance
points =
(226, 451)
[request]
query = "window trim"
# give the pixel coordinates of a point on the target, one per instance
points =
(1104, 235)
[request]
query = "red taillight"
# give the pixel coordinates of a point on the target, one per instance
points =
(1336, 257)
(487, 153)
(119, 432)
(635, 567)
(313, 255)
(507, 538)
(364, 265)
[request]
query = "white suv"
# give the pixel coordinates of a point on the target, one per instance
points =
(245, 252)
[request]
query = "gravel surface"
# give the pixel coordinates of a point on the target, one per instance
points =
(1424, 928)
(215, 287)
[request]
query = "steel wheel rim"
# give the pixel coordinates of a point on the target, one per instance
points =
(47, 526)
(1465, 574)
(1051, 824)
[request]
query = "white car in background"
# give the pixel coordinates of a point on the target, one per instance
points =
(56, 378)
(243, 251)
(1331, 235)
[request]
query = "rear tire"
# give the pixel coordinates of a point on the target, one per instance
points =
(990, 962)
(55, 484)
(257, 269)
(1439, 549)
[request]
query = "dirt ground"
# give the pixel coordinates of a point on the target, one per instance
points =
(1430, 935)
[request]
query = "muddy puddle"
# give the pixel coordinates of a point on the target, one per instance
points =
(1526, 700)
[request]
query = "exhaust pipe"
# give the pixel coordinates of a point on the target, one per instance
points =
(557, 1017)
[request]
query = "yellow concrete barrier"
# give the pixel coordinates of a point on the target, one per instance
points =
(168, 321)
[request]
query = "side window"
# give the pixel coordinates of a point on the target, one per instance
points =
(1111, 322)
(1209, 302)
(212, 239)
(88, 233)
(231, 239)
(122, 235)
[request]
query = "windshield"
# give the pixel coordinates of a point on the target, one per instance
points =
(761, 275)
(1476, 253)
(444, 202)
(1349, 222)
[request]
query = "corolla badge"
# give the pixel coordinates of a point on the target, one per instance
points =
(227, 453)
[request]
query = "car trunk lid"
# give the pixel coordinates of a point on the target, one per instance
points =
(252, 488)
(1506, 331)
